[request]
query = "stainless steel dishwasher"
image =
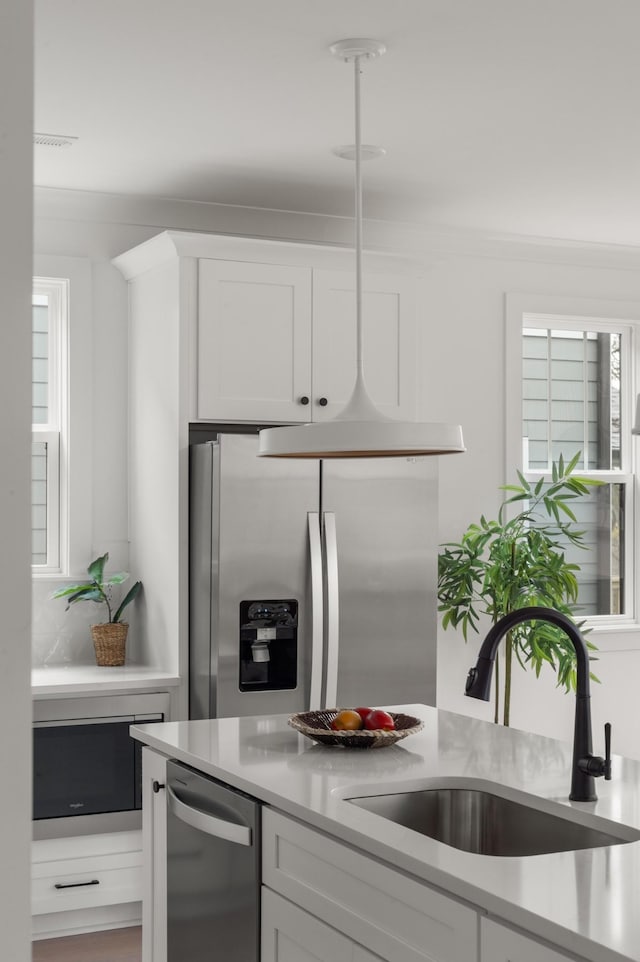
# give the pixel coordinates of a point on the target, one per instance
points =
(213, 870)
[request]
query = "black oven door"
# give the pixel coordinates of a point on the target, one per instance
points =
(83, 767)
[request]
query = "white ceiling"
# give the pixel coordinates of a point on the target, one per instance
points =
(517, 116)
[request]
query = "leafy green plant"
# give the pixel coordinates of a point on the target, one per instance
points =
(500, 566)
(98, 589)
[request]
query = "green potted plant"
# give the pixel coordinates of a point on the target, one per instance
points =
(500, 566)
(110, 637)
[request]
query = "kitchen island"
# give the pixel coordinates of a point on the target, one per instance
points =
(546, 908)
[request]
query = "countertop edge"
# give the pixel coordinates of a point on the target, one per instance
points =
(81, 680)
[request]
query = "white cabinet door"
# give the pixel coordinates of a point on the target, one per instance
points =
(253, 342)
(154, 857)
(389, 913)
(291, 935)
(500, 944)
(389, 350)
(278, 343)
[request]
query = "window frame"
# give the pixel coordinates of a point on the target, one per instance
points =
(51, 432)
(74, 369)
(524, 311)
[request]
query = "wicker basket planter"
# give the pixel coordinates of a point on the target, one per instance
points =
(109, 641)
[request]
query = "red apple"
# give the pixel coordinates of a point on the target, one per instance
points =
(363, 712)
(377, 720)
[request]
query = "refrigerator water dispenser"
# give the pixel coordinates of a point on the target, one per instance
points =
(268, 645)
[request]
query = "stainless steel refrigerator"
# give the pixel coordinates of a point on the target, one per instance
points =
(312, 584)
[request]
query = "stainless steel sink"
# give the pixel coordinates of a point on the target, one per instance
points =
(486, 824)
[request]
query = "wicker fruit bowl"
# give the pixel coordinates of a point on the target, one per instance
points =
(317, 726)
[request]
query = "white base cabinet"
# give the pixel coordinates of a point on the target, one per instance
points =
(323, 901)
(154, 840)
(85, 882)
(501, 944)
(382, 912)
(291, 935)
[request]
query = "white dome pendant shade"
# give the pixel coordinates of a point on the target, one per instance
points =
(360, 430)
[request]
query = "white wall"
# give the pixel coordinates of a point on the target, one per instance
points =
(461, 374)
(16, 92)
(464, 380)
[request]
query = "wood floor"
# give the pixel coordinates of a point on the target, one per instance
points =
(117, 945)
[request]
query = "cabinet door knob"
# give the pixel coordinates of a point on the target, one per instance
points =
(156, 785)
(323, 402)
(304, 399)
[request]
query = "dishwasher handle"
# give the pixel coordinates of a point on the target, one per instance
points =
(209, 824)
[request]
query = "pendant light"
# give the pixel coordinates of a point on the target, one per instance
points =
(360, 430)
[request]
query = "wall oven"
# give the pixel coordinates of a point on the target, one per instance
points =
(87, 770)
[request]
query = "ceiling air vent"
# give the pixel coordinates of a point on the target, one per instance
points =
(53, 140)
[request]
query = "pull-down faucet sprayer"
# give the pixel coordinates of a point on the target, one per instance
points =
(586, 767)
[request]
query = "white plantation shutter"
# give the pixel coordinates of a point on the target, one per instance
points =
(573, 384)
(49, 317)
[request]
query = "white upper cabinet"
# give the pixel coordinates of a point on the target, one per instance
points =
(253, 341)
(277, 343)
(265, 331)
(388, 342)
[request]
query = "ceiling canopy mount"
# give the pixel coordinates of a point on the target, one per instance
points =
(357, 47)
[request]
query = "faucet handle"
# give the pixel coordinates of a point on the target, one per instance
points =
(595, 765)
(607, 751)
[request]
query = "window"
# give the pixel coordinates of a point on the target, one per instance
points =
(576, 392)
(49, 329)
(63, 406)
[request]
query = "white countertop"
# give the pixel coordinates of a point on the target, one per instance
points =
(587, 902)
(53, 681)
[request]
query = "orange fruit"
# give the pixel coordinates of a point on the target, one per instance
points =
(347, 720)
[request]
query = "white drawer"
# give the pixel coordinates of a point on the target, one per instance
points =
(289, 934)
(77, 883)
(501, 944)
(394, 915)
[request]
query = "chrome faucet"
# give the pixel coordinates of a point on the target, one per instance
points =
(586, 766)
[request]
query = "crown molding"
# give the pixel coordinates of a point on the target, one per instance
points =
(169, 244)
(413, 240)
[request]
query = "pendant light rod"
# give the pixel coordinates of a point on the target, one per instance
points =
(357, 50)
(357, 70)
(360, 430)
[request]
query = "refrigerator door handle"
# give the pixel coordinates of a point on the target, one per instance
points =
(207, 823)
(332, 610)
(315, 551)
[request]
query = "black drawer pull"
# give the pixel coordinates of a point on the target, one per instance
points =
(156, 785)
(76, 885)
(323, 402)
